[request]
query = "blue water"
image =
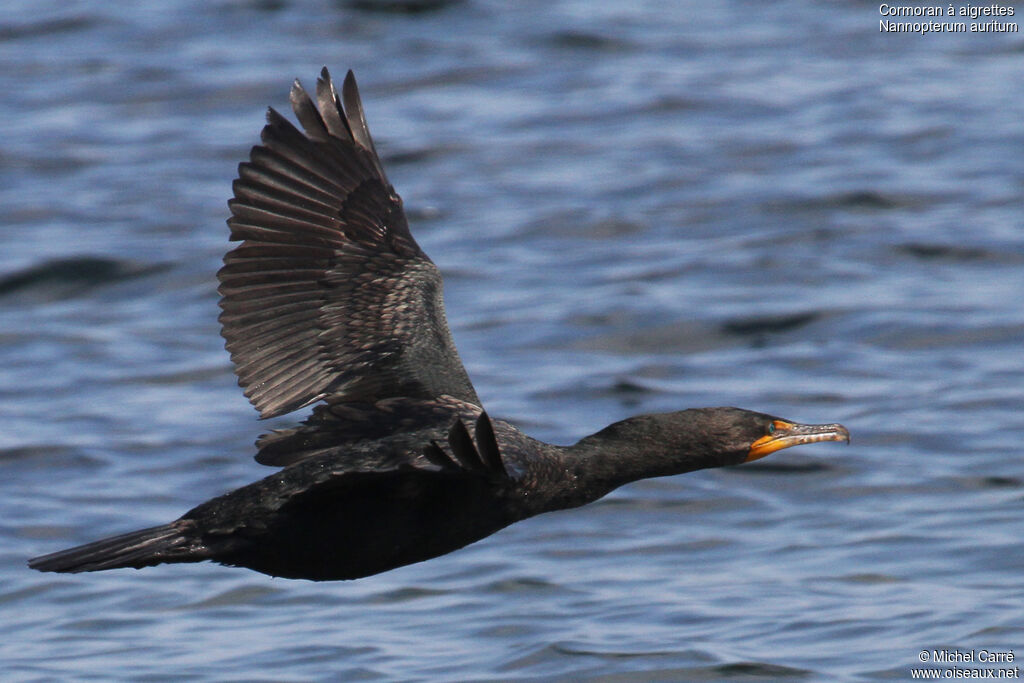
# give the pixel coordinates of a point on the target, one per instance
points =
(637, 207)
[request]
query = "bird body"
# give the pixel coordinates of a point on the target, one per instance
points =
(329, 300)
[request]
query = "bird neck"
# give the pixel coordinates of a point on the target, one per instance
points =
(639, 448)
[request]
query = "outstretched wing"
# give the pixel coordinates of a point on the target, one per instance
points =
(341, 428)
(393, 435)
(328, 295)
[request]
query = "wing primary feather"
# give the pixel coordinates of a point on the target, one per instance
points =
(354, 112)
(330, 107)
(306, 113)
(463, 448)
(357, 119)
(487, 446)
(436, 455)
(255, 174)
(286, 165)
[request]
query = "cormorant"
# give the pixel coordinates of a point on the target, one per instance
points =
(329, 298)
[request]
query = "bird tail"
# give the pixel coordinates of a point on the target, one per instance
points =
(143, 548)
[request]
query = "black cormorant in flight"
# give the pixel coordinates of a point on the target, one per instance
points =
(329, 299)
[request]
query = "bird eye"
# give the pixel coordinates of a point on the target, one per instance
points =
(771, 427)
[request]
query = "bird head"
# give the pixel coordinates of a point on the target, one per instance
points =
(735, 435)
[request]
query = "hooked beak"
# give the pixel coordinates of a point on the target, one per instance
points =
(787, 434)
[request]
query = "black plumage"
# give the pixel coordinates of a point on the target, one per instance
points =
(329, 298)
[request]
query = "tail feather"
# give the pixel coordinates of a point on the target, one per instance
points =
(143, 548)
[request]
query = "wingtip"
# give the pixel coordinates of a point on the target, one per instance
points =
(324, 82)
(350, 82)
(350, 94)
(296, 90)
(487, 445)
